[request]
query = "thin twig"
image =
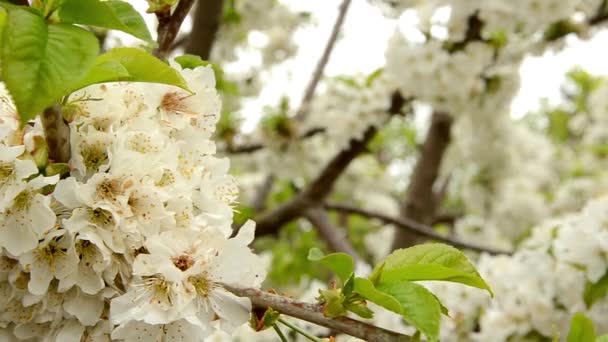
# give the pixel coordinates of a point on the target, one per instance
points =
(256, 147)
(168, 27)
(313, 313)
(302, 111)
(335, 238)
(412, 226)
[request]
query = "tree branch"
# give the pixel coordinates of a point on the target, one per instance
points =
(316, 191)
(206, 23)
(168, 26)
(420, 203)
(256, 147)
(262, 192)
(302, 111)
(57, 134)
(410, 225)
(312, 313)
(322, 185)
(337, 239)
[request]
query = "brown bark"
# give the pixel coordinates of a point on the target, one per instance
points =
(420, 203)
(168, 27)
(57, 134)
(336, 238)
(313, 313)
(412, 226)
(206, 23)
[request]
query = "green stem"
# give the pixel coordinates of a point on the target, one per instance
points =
(299, 330)
(280, 333)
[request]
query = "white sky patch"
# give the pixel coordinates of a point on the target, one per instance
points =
(361, 47)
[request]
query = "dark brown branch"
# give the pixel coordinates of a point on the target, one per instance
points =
(262, 192)
(601, 14)
(57, 134)
(420, 203)
(411, 225)
(312, 313)
(168, 26)
(302, 111)
(336, 239)
(316, 191)
(206, 22)
(20, 2)
(322, 185)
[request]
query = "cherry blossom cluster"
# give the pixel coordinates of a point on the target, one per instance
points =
(134, 243)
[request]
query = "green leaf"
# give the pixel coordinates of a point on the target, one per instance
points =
(191, 61)
(603, 338)
(433, 261)
(132, 65)
(341, 264)
(366, 289)
(418, 306)
(369, 80)
(334, 303)
(596, 291)
(581, 329)
(113, 14)
(41, 63)
(3, 20)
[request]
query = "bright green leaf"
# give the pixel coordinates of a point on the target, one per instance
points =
(3, 19)
(581, 329)
(418, 306)
(191, 61)
(369, 80)
(596, 291)
(341, 264)
(334, 303)
(132, 65)
(366, 289)
(603, 338)
(41, 63)
(113, 14)
(431, 261)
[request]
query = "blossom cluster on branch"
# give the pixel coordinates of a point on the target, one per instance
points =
(135, 242)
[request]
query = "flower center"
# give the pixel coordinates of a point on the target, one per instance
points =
(6, 170)
(101, 217)
(173, 102)
(94, 156)
(202, 285)
(183, 262)
(23, 201)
